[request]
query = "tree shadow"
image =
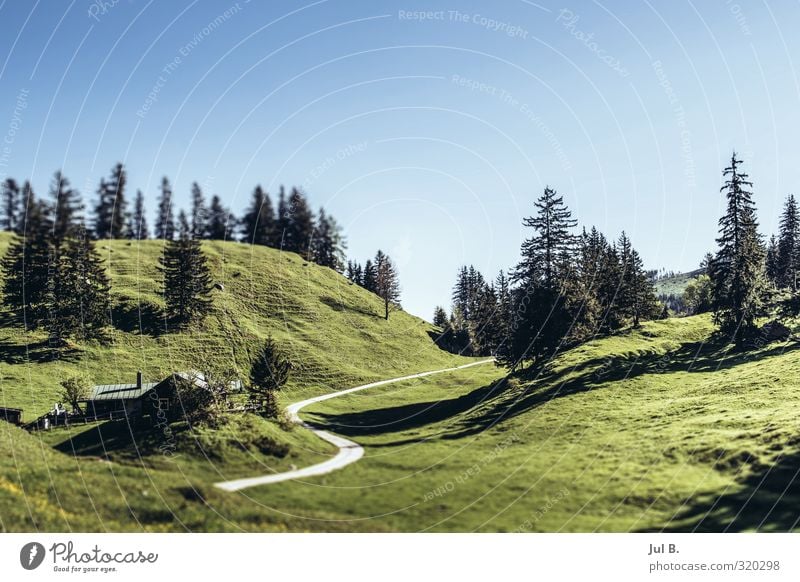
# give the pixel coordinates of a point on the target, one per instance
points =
(340, 306)
(37, 352)
(115, 436)
(144, 317)
(768, 499)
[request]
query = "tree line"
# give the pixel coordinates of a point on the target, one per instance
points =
(566, 289)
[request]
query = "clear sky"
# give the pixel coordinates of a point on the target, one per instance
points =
(426, 135)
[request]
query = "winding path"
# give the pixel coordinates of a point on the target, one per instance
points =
(349, 451)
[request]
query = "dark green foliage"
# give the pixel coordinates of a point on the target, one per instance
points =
(258, 223)
(268, 374)
(165, 225)
(299, 230)
(387, 284)
(440, 317)
(355, 273)
(137, 222)
(328, 244)
(772, 264)
(10, 205)
(111, 207)
(636, 297)
(369, 277)
(737, 268)
(220, 220)
(787, 267)
(195, 401)
(187, 278)
(67, 208)
(199, 213)
(28, 261)
(78, 300)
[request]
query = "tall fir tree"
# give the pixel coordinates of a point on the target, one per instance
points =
(328, 244)
(772, 263)
(10, 204)
(737, 267)
(137, 221)
(67, 208)
(165, 224)
(281, 219)
(199, 212)
(789, 245)
(187, 277)
(258, 223)
(299, 231)
(387, 284)
(111, 208)
(369, 276)
(220, 220)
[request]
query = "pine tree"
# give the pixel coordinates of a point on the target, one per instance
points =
(387, 285)
(440, 317)
(636, 296)
(268, 374)
(258, 223)
(199, 213)
(353, 273)
(772, 264)
(736, 271)
(137, 221)
(219, 220)
(78, 298)
(187, 277)
(369, 277)
(299, 231)
(165, 225)
(111, 206)
(281, 220)
(27, 263)
(10, 205)
(788, 259)
(67, 207)
(328, 244)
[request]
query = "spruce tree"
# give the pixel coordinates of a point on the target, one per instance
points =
(110, 211)
(387, 285)
(67, 208)
(772, 263)
(281, 220)
(258, 223)
(10, 205)
(165, 225)
(219, 220)
(28, 261)
(328, 244)
(440, 317)
(788, 259)
(187, 277)
(199, 213)
(78, 298)
(137, 222)
(369, 276)
(299, 226)
(737, 267)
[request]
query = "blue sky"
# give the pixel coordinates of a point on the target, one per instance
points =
(426, 135)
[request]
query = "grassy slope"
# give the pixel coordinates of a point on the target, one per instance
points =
(636, 432)
(676, 284)
(332, 330)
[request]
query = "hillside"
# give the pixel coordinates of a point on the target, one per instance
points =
(333, 330)
(675, 284)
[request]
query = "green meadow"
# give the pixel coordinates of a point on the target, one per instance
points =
(659, 428)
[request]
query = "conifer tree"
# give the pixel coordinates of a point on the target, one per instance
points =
(27, 263)
(369, 276)
(10, 204)
(440, 317)
(258, 223)
(67, 208)
(788, 259)
(268, 375)
(165, 224)
(219, 220)
(187, 277)
(137, 221)
(281, 220)
(737, 268)
(78, 298)
(772, 264)
(328, 244)
(353, 273)
(199, 213)
(111, 207)
(299, 231)
(387, 285)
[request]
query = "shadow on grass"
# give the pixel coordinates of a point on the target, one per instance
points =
(117, 437)
(36, 352)
(143, 317)
(340, 306)
(768, 499)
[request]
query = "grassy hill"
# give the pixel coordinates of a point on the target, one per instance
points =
(334, 331)
(675, 284)
(659, 428)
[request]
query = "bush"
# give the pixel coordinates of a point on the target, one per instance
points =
(75, 388)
